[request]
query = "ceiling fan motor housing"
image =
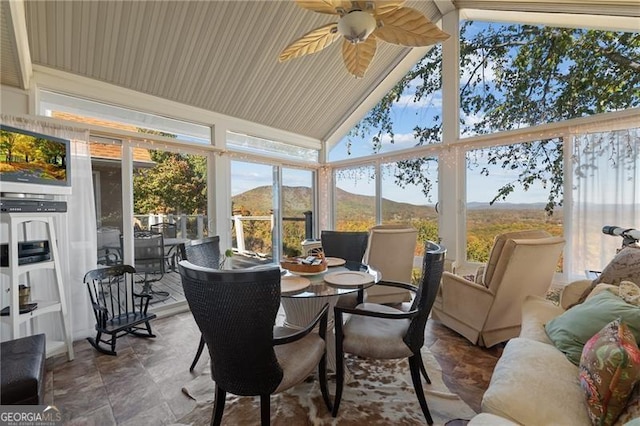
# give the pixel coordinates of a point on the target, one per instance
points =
(356, 26)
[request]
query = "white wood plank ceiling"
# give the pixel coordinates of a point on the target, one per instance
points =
(222, 55)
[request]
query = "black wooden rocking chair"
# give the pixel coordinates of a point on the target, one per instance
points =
(117, 308)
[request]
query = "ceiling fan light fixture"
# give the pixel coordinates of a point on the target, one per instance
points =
(356, 26)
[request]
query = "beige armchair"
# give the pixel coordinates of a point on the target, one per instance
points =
(390, 250)
(488, 311)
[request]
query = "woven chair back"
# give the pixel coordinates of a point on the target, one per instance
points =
(236, 311)
(345, 245)
(204, 252)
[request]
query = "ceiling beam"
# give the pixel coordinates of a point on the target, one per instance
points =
(18, 29)
(563, 20)
(445, 6)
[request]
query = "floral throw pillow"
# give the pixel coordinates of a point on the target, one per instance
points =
(609, 370)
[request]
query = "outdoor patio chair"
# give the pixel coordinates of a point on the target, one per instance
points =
(109, 241)
(381, 332)
(168, 230)
(236, 312)
(118, 309)
(149, 261)
(204, 252)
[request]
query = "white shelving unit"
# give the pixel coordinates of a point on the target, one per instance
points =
(18, 224)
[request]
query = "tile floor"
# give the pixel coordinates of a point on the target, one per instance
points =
(142, 385)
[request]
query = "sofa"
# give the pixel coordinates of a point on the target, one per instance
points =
(534, 383)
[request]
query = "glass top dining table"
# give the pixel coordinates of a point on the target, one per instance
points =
(319, 287)
(302, 305)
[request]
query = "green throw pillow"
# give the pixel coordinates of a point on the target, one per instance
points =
(571, 330)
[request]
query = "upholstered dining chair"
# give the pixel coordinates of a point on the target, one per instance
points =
(204, 252)
(382, 332)
(487, 309)
(347, 245)
(236, 311)
(391, 250)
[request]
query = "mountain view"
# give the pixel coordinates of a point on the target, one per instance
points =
(297, 200)
(355, 211)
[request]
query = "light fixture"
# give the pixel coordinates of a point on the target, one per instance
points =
(356, 26)
(361, 26)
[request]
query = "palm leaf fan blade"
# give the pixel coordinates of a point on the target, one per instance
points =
(324, 6)
(386, 6)
(408, 27)
(358, 56)
(312, 42)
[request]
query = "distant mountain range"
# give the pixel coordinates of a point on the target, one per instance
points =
(298, 199)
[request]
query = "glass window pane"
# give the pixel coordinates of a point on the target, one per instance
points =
(508, 190)
(245, 143)
(297, 199)
(355, 197)
(515, 75)
(170, 187)
(106, 165)
(409, 191)
(402, 120)
(605, 192)
(77, 109)
(252, 205)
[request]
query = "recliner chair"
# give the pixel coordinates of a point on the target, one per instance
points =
(488, 311)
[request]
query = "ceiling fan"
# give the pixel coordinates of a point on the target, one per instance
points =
(362, 23)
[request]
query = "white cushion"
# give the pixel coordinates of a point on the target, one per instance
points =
(378, 338)
(535, 384)
(536, 312)
(298, 359)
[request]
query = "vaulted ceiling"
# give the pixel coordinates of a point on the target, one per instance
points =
(220, 56)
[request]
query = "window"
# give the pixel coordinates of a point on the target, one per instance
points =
(251, 144)
(502, 197)
(515, 76)
(412, 118)
(297, 199)
(77, 109)
(252, 205)
(408, 191)
(170, 187)
(355, 198)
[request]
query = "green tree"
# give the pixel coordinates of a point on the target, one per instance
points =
(515, 76)
(176, 184)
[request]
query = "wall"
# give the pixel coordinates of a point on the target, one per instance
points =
(14, 101)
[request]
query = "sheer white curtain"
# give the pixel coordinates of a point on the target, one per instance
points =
(606, 191)
(76, 230)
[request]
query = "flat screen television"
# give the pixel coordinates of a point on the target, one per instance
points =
(33, 163)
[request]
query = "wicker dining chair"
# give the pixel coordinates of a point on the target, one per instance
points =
(381, 332)
(347, 245)
(236, 312)
(204, 252)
